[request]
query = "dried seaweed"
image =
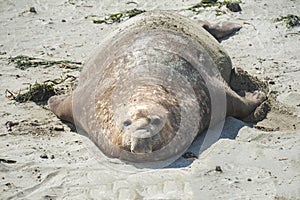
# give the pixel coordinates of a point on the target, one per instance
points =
(225, 2)
(40, 92)
(60, 80)
(37, 92)
(211, 3)
(8, 161)
(117, 17)
(290, 20)
(24, 62)
(204, 4)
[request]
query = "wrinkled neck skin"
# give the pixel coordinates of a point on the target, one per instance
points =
(146, 122)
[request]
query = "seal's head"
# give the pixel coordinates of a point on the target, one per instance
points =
(144, 128)
(149, 121)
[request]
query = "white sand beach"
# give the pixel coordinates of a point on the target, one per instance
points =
(42, 158)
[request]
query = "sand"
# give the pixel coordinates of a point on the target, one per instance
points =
(43, 158)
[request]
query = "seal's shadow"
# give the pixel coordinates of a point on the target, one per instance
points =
(204, 141)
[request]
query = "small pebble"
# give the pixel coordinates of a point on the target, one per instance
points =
(219, 169)
(10, 124)
(35, 123)
(32, 10)
(189, 155)
(272, 82)
(249, 179)
(44, 156)
(59, 128)
(234, 7)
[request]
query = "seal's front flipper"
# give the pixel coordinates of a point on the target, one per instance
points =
(221, 30)
(61, 106)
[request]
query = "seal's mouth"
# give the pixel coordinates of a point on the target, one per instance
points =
(142, 141)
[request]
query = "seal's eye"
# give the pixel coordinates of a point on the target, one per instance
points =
(127, 122)
(155, 121)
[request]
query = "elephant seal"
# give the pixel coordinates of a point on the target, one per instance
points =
(155, 83)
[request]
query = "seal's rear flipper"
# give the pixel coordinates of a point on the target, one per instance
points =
(242, 106)
(221, 30)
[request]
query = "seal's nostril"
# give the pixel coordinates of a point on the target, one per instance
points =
(127, 123)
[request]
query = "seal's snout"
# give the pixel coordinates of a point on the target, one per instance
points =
(144, 134)
(142, 129)
(141, 142)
